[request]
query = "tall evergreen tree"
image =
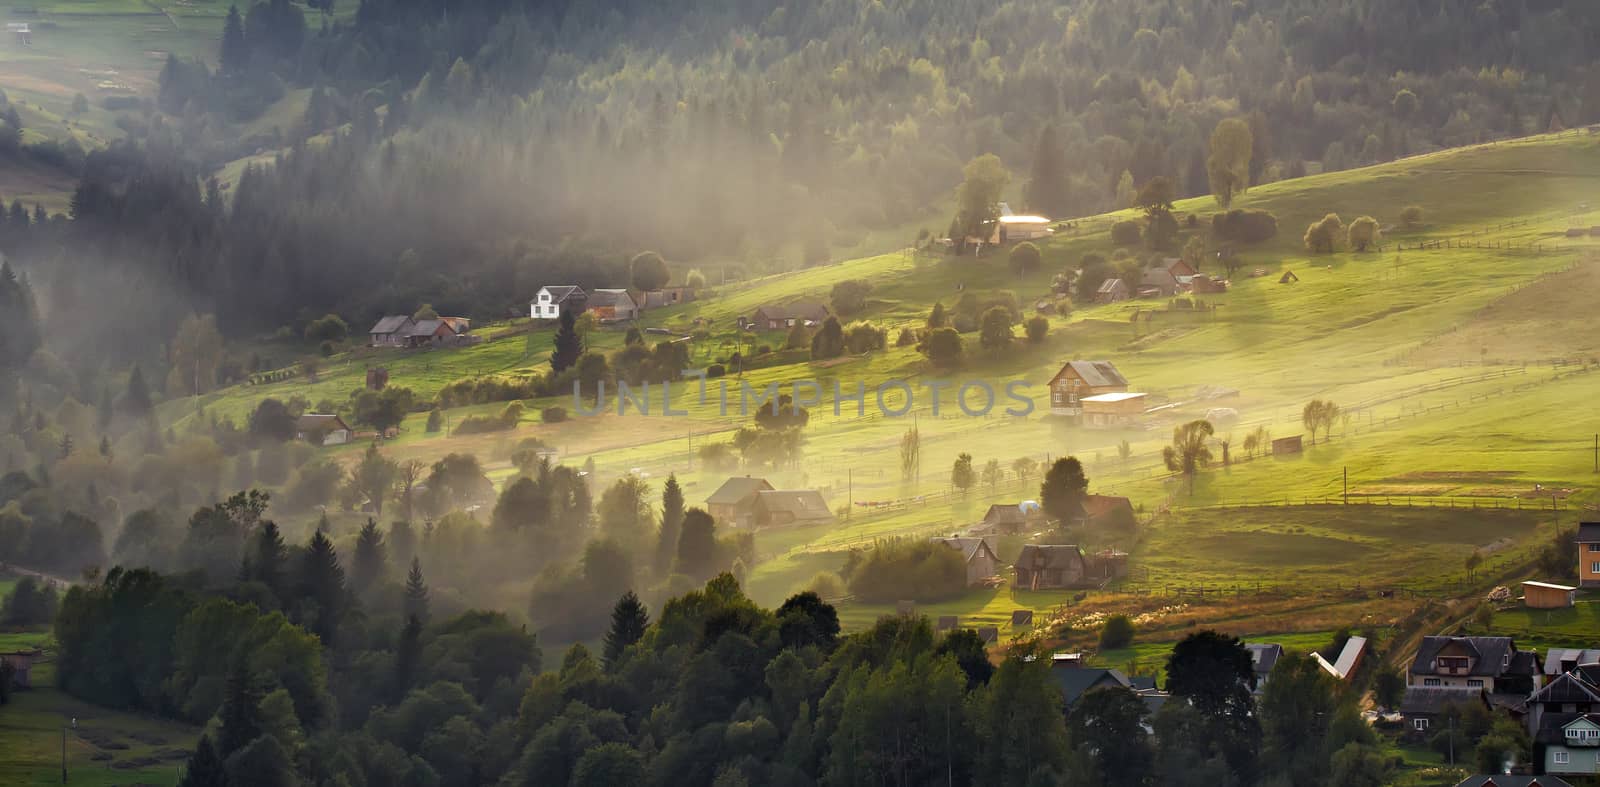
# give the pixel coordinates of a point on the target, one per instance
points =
(241, 710)
(205, 767)
(267, 557)
(234, 53)
(697, 544)
(136, 399)
(407, 656)
(416, 596)
(629, 619)
(569, 345)
(370, 560)
(671, 525)
(321, 582)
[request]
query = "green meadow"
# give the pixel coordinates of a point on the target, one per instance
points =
(1446, 438)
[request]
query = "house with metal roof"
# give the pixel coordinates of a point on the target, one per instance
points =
(322, 429)
(1079, 379)
(1051, 567)
(391, 331)
(610, 305)
(1263, 657)
(552, 300)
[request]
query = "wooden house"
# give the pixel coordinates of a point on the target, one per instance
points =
(1050, 567)
(780, 507)
(1284, 446)
(668, 296)
(784, 316)
(1079, 379)
(21, 664)
(429, 333)
(322, 429)
(1112, 291)
(733, 503)
(979, 557)
(1112, 410)
(1492, 664)
(613, 305)
(391, 331)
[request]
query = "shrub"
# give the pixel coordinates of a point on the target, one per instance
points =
(328, 328)
(765, 349)
(1323, 234)
(1126, 233)
(1244, 226)
(917, 570)
(864, 337)
(1117, 633)
(1411, 216)
(327, 349)
(1037, 328)
(996, 330)
(486, 389)
(477, 424)
(906, 338)
(829, 341)
(826, 584)
(716, 370)
(435, 420)
(943, 347)
(553, 415)
(1363, 233)
(1024, 258)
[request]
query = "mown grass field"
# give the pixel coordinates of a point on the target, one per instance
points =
(105, 748)
(1387, 335)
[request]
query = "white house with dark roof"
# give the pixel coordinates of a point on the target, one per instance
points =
(1263, 657)
(552, 300)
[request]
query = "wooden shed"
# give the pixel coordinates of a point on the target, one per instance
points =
(1544, 595)
(1286, 445)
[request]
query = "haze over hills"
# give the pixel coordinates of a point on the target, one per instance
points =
(335, 510)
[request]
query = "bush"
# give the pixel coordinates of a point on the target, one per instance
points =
(31, 603)
(716, 370)
(826, 584)
(477, 424)
(1024, 258)
(906, 338)
(943, 347)
(328, 328)
(1411, 216)
(1363, 233)
(553, 415)
(864, 337)
(1038, 328)
(327, 349)
(1323, 234)
(1117, 633)
(1244, 226)
(1126, 233)
(917, 570)
(435, 420)
(492, 388)
(996, 329)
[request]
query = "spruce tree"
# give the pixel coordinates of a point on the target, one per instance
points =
(671, 525)
(136, 399)
(416, 597)
(367, 567)
(937, 318)
(1047, 181)
(322, 582)
(268, 556)
(407, 654)
(241, 710)
(629, 619)
(697, 544)
(569, 345)
(205, 767)
(234, 53)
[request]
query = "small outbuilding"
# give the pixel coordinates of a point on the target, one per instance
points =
(322, 429)
(1546, 595)
(1284, 446)
(21, 664)
(978, 556)
(1110, 410)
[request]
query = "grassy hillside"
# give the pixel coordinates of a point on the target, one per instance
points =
(1434, 419)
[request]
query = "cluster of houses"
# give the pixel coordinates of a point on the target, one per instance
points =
(1162, 278)
(607, 304)
(1042, 566)
(399, 330)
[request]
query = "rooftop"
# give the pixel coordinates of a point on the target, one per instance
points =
(1119, 396)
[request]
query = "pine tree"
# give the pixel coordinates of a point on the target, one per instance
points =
(322, 582)
(234, 53)
(936, 318)
(368, 564)
(205, 767)
(569, 345)
(697, 544)
(266, 560)
(136, 399)
(416, 597)
(671, 525)
(241, 710)
(629, 619)
(407, 654)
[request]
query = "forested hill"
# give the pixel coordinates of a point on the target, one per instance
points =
(463, 154)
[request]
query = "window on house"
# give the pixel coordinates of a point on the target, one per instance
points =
(1419, 724)
(1431, 682)
(1594, 568)
(1474, 683)
(1595, 547)
(1562, 758)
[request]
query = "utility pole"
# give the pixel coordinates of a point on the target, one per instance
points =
(1347, 485)
(1597, 453)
